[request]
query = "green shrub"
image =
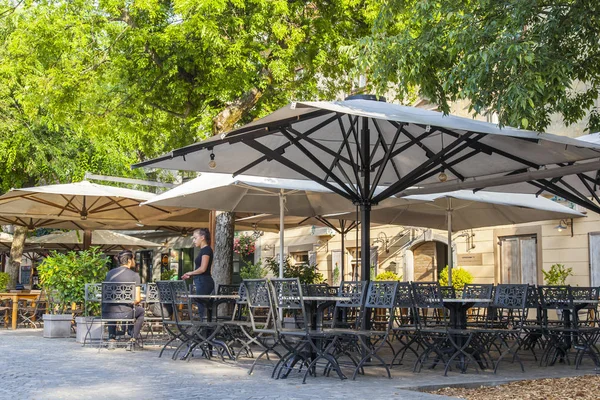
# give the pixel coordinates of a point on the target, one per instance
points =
(307, 274)
(557, 275)
(168, 275)
(4, 278)
(253, 271)
(388, 276)
(336, 275)
(460, 277)
(65, 275)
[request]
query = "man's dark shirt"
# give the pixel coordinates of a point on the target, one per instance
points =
(120, 274)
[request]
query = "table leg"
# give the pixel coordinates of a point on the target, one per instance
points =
(15, 314)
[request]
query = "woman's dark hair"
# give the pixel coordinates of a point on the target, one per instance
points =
(124, 257)
(206, 233)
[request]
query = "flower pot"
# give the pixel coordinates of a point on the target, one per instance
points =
(94, 326)
(289, 322)
(57, 325)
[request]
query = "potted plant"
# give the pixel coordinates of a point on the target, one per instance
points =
(244, 245)
(63, 276)
(253, 271)
(460, 278)
(557, 275)
(388, 276)
(4, 278)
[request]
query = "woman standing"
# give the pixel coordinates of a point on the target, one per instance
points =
(203, 281)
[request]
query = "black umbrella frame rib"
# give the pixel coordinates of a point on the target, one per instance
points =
(356, 138)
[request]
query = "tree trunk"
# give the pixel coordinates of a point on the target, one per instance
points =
(223, 245)
(226, 119)
(222, 269)
(16, 254)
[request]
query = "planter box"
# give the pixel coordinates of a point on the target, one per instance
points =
(57, 326)
(82, 329)
(289, 322)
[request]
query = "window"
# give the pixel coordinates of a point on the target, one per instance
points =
(300, 257)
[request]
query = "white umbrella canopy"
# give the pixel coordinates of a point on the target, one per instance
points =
(257, 195)
(353, 146)
(463, 209)
(32, 222)
(473, 210)
(87, 205)
(585, 184)
(5, 240)
(188, 219)
(252, 194)
(73, 240)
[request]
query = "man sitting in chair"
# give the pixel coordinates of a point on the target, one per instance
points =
(125, 273)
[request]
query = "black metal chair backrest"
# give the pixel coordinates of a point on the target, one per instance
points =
(404, 297)
(510, 305)
(381, 294)
(257, 292)
(511, 296)
(405, 305)
(288, 293)
(151, 293)
(165, 293)
(260, 304)
(584, 293)
(318, 289)
(118, 292)
(427, 295)
(478, 291)
(354, 291)
(448, 292)
(180, 292)
(381, 300)
(556, 297)
(228, 289)
(429, 305)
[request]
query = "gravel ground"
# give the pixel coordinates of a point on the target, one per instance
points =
(581, 388)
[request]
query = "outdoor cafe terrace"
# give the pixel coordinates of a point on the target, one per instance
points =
(426, 335)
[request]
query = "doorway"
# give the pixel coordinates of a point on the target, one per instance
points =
(430, 258)
(518, 259)
(594, 245)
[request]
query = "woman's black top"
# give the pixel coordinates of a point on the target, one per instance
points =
(204, 251)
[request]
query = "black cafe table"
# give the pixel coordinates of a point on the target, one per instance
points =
(211, 302)
(315, 307)
(458, 324)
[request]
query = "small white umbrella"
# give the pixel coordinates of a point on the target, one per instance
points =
(5, 239)
(79, 201)
(255, 194)
(464, 209)
(73, 240)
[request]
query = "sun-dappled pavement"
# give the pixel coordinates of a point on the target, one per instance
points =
(34, 367)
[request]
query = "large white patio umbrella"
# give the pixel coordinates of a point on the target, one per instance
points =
(73, 240)
(353, 146)
(252, 194)
(80, 201)
(464, 209)
(576, 183)
(255, 194)
(336, 222)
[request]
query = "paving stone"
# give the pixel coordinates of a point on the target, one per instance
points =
(39, 368)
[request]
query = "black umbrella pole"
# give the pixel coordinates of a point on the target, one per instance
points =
(365, 242)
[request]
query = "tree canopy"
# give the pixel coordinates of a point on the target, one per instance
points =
(524, 60)
(96, 86)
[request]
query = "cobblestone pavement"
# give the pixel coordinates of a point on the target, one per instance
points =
(38, 368)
